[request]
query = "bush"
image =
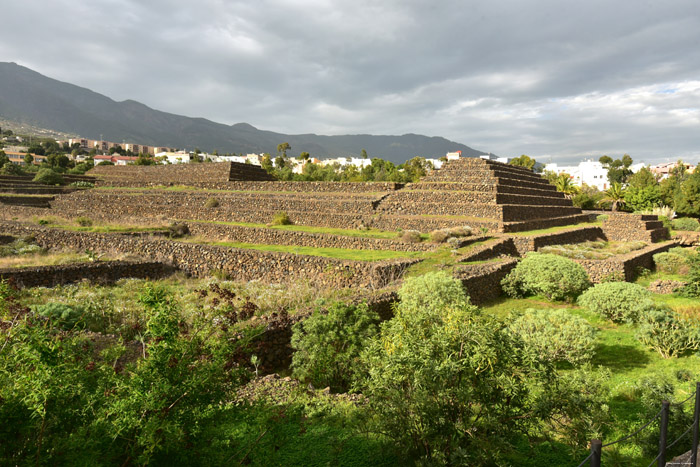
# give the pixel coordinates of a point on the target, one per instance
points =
(64, 316)
(328, 346)
(663, 330)
(450, 385)
(410, 236)
(670, 263)
(617, 301)
(685, 223)
(178, 230)
(602, 217)
(692, 287)
(11, 168)
(48, 177)
(212, 203)
(281, 218)
(554, 335)
(83, 221)
(552, 276)
(442, 235)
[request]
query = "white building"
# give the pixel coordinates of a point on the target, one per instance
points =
(180, 157)
(491, 157)
(589, 172)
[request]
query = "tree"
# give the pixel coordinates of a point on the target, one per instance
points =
(643, 192)
(266, 163)
(565, 185)
(3, 158)
(523, 161)
(28, 159)
(615, 195)
(688, 198)
(363, 154)
(282, 149)
(304, 156)
(618, 169)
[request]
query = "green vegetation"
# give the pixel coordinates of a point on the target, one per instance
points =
(593, 249)
(48, 177)
(281, 218)
(328, 345)
(685, 223)
(553, 276)
(617, 301)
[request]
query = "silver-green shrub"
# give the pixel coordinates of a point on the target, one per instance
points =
(552, 276)
(554, 335)
(617, 301)
(671, 263)
(661, 329)
(685, 223)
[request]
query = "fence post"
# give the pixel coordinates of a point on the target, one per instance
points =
(596, 451)
(696, 428)
(663, 433)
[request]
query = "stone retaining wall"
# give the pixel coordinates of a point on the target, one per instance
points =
(234, 233)
(102, 272)
(482, 282)
(525, 244)
(625, 266)
(235, 263)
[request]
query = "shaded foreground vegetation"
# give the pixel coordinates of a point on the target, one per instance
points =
(167, 373)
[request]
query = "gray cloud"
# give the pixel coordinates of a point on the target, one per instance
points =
(544, 77)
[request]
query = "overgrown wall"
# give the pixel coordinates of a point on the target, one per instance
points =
(237, 264)
(624, 266)
(102, 272)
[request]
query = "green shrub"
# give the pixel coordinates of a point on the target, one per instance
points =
(410, 236)
(64, 316)
(281, 218)
(20, 247)
(554, 335)
(617, 301)
(48, 177)
(670, 263)
(692, 287)
(661, 329)
(83, 221)
(11, 168)
(602, 217)
(328, 346)
(212, 203)
(444, 379)
(552, 276)
(685, 223)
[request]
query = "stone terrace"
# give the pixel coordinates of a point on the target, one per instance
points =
(490, 193)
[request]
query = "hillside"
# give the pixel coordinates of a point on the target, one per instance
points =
(29, 97)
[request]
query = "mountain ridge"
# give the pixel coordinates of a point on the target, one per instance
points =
(30, 97)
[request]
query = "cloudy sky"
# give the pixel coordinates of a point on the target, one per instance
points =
(555, 79)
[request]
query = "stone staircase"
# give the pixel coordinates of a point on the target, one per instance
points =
(626, 227)
(486, 192)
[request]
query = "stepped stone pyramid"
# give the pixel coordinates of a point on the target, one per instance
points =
(485, 193)
(625, 227)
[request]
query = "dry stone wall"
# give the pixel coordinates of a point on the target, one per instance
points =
(626, 266)
(235, 263)
(102, 272)
(233, 233)
(625, 227)
(482, 282)
(525, 244)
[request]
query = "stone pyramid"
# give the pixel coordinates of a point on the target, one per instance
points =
(486, 193)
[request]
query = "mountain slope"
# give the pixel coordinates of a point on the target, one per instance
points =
(29, 97)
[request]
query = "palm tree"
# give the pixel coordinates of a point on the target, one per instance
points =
(615, 195)
(565, 185)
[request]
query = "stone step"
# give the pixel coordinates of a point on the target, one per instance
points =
(490, 188)
(536, 224)
(520, 212)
